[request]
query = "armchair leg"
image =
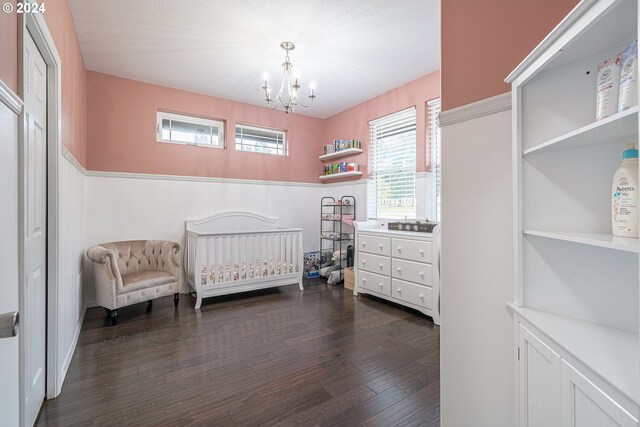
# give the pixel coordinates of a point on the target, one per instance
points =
(176, 299)
(113, 314)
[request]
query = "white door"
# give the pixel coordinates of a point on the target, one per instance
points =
(9, 275)
(540, 376)
(585, 405)
(34, 220)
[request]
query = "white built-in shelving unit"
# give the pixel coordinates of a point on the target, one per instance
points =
(576, 292)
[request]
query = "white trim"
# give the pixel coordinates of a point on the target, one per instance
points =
(72, 159)
(554, 35)
(72, 348)
(484, 107)
(132, 175)
(35, 25)
(10, 98)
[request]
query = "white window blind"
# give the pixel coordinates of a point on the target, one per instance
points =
(260, 140)
(182, 129)
(392, 166)
(433, 136)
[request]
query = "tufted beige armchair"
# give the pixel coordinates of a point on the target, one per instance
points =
(134, 271)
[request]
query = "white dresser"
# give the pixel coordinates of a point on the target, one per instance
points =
(399, 266)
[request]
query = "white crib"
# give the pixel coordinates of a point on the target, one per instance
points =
(241, 251)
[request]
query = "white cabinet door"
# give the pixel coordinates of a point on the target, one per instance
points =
(585, 405)
(540, 376)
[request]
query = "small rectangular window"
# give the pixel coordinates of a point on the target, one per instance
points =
(181, 129)
(260, 140)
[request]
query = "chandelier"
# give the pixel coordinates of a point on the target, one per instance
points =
(287, 96)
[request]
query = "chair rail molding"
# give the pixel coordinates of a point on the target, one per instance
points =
(484, 107)
(10, 98)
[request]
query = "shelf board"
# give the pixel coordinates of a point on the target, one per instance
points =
(620, 127)
(340, 153)
(610, 352)
(602, 240)
(340, 175)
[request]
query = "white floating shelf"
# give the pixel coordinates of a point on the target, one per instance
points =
(621, 127)
(602, 240)
(340, 153)
(340, 175)
(610, 352)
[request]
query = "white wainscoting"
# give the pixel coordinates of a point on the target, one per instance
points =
(477, 331)
(130, 206)
(73, 231)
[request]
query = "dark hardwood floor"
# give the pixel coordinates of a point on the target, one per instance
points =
(278, 357)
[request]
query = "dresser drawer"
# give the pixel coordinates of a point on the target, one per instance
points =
(374, 244)
(412, 293)
(374, 263)
(413, 250)
(417, 272)
(374, 282)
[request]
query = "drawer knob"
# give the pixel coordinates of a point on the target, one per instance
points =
(364, 280)
(399, 290)
(364, 261)
(380, 284)
(364, 244)
(399, 248)
(380, 245)
(421, 251)
(421, 274)
(422, 297)
(399, 270)
(381, 266)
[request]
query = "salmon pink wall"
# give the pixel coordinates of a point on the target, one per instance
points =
(9, 48)
(122, 134)
(353, 123)
(74, 119)
(483, 41)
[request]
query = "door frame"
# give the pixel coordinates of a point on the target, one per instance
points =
(35, 25)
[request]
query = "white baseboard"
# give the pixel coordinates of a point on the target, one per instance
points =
(67, 359)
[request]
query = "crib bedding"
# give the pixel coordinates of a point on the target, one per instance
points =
(246, 271)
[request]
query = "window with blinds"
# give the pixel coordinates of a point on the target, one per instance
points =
(260, 140)
(433, 137)
(392, 166)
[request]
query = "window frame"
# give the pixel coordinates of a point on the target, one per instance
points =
(285, 139)
(372, 199)
(197, 120)
(434, 139)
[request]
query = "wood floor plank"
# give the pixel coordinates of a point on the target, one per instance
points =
(273, 357)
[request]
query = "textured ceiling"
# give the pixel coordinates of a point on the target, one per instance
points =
(353, 50)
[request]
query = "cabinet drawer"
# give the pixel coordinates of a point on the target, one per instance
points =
(417, 272)
(374, 282)
(413, 250)
(412, 293)
(374, 263)
(374, 244)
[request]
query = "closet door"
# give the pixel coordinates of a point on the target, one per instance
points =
(585, 405)
(540, 375)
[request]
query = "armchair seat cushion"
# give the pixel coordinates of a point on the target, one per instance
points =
(145, 279)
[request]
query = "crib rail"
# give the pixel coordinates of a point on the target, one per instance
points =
(232, 258)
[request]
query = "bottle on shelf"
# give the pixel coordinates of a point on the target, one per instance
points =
(624, 195)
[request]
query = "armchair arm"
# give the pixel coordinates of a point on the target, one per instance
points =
(167, 260)
(107, 275)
